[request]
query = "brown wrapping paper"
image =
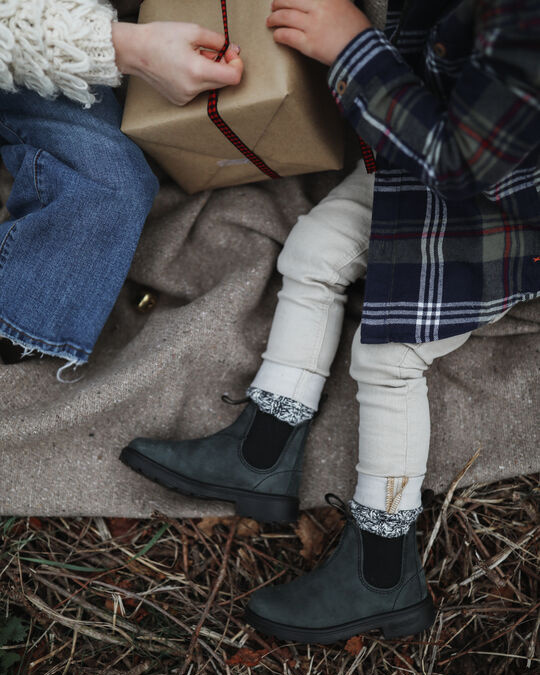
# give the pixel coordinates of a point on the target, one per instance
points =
(282, 110)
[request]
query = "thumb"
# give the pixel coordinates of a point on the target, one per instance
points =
(237, 64)
(232, 53)
(232, 59)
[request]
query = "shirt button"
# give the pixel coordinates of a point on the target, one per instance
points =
(439, 49)
(341, 87)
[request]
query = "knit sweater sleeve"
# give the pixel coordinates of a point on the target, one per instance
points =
(57, 47)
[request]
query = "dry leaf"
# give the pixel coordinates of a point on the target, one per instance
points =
(35, 523)
(247, 527)
(18, 528)
(311, 536)
(206, 525)
(354, 645)
(119, 527)
(247, 657)
(331, 519)
(505, 592)
(137, 568)
(140, 615)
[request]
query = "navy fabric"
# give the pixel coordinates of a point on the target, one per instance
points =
(453, 111)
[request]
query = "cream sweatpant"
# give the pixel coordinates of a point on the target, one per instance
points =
(324, 253)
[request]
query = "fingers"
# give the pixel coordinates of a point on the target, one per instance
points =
(207, 54)
(292, 38)
(211, 42)
(208, 38)
(232, 53)
(213, 74)
(300, 5)
(291, 18)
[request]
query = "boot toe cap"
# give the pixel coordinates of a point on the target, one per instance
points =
(147, 446)
(159, 452)
(273, 604)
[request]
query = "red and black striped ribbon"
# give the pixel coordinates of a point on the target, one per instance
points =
(367, 156)
(213, 114)
(220, 123)
(367, 152)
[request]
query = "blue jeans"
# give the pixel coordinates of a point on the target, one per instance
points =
(81, 193)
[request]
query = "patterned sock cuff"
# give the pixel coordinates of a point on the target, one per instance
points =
(381, 522)
(282, 407)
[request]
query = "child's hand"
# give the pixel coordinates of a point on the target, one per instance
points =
(319, 29)
(175, 58)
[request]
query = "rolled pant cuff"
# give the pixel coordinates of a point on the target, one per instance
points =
(389, 493)
(294, 383)
(29, 343)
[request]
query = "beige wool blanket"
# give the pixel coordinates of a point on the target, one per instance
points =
(209, 259)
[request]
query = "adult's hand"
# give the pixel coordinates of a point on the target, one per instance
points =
(175, 58)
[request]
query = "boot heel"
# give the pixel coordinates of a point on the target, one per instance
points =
(267, 508)
(409, 621)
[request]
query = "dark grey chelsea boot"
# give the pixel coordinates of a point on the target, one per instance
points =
(367, 583)
(256, 463)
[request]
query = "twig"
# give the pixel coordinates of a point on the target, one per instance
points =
(74, 642)
(481, 609)
(252, 590)
(495, 560)
(446, 503)
(82, 626)
(532, 644)
(213, 593)
(495, 637)
(48, 656)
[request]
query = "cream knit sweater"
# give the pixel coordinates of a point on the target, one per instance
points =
(57, 46)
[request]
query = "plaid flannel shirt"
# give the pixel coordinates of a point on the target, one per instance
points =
(453, 112)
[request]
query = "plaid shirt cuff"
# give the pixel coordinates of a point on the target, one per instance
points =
(366, 56)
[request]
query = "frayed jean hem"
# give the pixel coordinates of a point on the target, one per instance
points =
(75, 356)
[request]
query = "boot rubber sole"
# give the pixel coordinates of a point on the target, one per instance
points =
(400, 623)
(265, 508)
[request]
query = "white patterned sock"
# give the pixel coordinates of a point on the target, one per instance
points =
(381, 522)
(282, 407)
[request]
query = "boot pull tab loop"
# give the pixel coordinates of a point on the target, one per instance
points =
(232, 401)
(337, 503)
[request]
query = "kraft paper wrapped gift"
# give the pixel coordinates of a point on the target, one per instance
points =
(282, 110)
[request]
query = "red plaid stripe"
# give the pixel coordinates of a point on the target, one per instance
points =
(220, 123)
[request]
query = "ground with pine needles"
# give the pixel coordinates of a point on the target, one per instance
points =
(88, 596)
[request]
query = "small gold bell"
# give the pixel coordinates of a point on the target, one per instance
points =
(146, 302)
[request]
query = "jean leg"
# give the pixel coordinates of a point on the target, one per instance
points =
(81, 194)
